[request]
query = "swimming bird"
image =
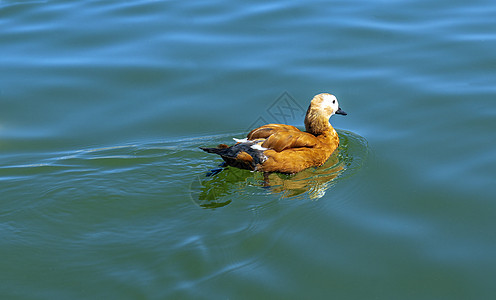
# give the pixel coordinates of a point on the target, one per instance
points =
(284, 148)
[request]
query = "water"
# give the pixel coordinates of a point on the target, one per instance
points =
(103, 190)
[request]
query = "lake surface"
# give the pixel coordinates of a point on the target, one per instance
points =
(103, 189)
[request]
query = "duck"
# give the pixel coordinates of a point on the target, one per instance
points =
(280, 148)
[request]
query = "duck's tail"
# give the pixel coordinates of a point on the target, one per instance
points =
(240, 155)
(220, 150)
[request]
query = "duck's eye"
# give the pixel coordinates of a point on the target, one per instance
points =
(333, 101)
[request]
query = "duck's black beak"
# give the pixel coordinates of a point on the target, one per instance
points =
(340, 112)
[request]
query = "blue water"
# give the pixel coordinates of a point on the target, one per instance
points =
(103, 190)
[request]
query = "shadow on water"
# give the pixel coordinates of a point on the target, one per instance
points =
(224, 187)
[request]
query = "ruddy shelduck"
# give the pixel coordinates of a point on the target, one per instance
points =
(285, 148)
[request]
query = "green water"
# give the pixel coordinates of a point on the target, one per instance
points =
(103, 190)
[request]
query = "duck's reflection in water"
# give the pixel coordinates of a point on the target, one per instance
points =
(230, 184)
(313, 181)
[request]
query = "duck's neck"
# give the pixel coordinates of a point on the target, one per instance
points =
(317, 124)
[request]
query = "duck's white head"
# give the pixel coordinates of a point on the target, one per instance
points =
(329, 104)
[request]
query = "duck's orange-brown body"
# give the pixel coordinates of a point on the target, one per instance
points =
(285, 148)
(290, 150)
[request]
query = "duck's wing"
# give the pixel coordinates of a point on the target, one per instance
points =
(281, 137)
(282, 140)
